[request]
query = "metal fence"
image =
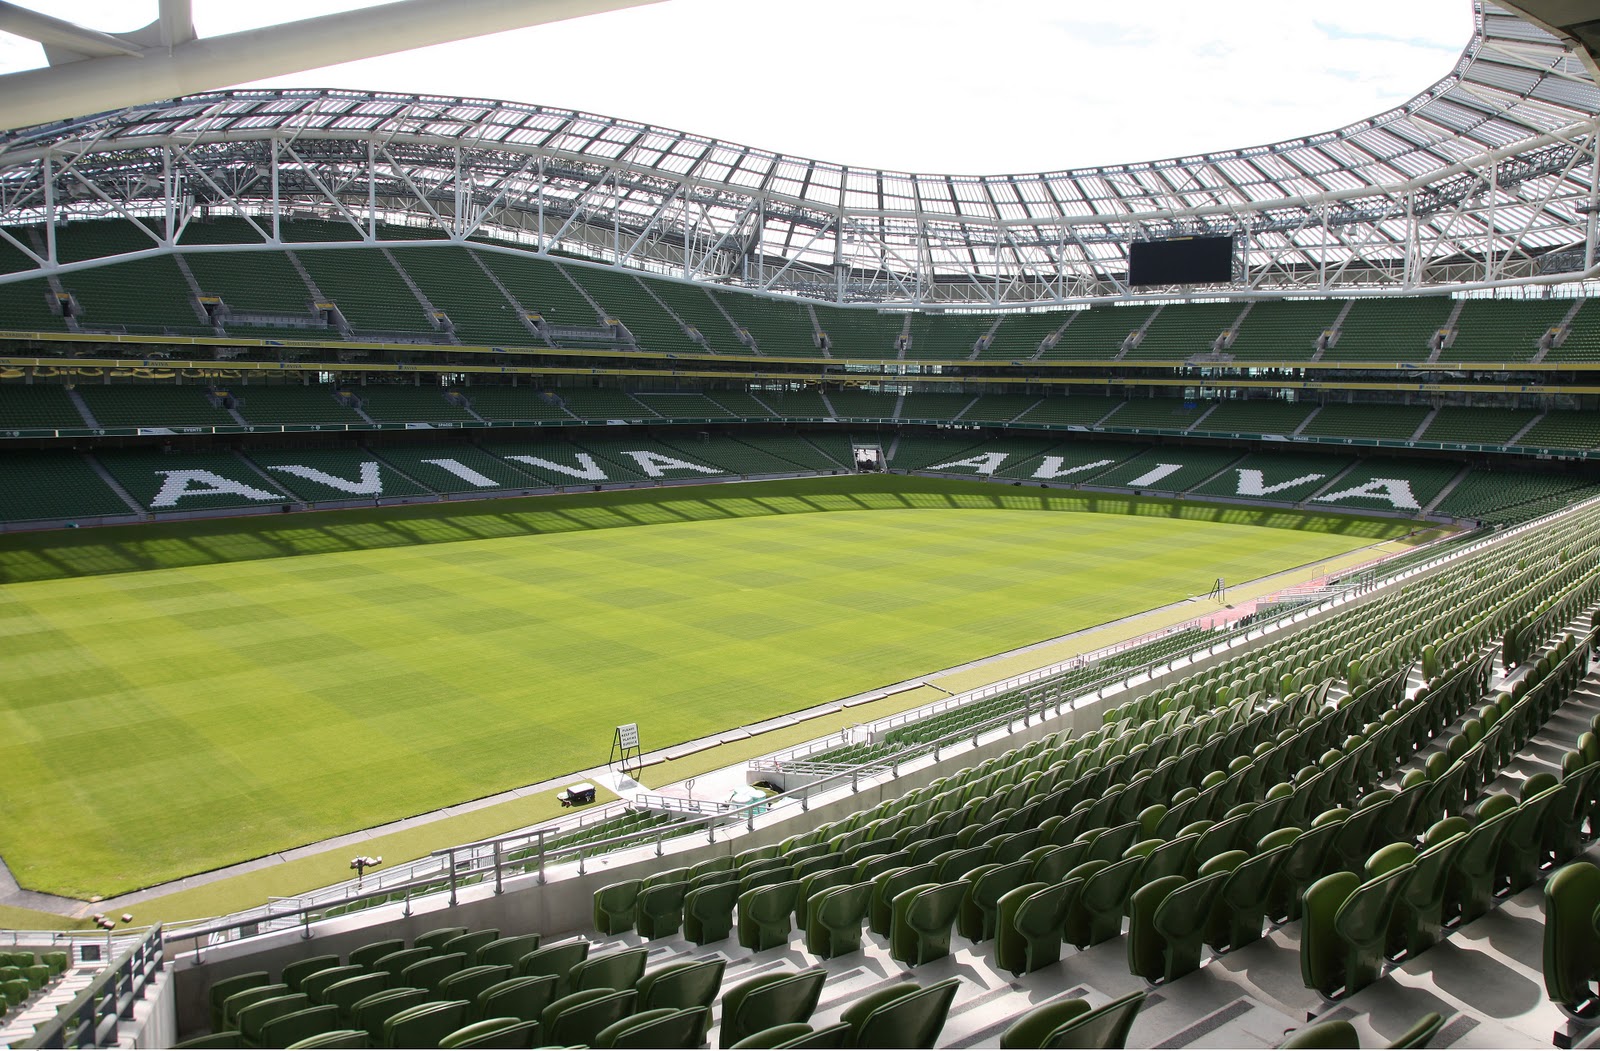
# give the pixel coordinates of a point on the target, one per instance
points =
(90, 1019)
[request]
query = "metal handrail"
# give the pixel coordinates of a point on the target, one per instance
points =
(90, 1019)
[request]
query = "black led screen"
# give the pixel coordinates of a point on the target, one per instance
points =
(1181, 261)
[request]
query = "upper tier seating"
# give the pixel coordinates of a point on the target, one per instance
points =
(1020, 336)
(1079, 410)
(684, 406)
(781, 328)
(143, 297)
(946, 337)
(538, 285)
(1184, 331)
(1390, 330)
(367, 289)
(1583, 338)
(851, 403)
(1503, 330)
(600, 404)
(1284, 330)
(860, 333)
(454, 283)
(1097, 334)
(624, 297)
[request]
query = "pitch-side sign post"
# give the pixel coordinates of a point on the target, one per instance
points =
(626, 756)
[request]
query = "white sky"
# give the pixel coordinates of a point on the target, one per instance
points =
(947, 86)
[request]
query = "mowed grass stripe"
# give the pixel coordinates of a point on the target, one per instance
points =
(168, 722)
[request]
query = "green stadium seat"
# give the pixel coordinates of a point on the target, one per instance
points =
(900, 1016)
(619, 969)
(682, 985)
(558, 960)
(769, 1000)
(288, 1030)
(371, 1013)
(835, 918)
(1072, 1024)
(923, 918)
(579, 1018)
(614, 906)
(507, 950)
(522, 997)
(495, 1033)
(295, 974)
(708, 913)
(424, 1025)
(662, 1027)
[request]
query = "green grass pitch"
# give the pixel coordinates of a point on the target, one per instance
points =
(178, 697)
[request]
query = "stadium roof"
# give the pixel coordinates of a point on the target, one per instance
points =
(1486, 177)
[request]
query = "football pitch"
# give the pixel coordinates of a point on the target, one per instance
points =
(178, 697)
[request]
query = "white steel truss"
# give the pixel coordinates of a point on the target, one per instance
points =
(1486, 179)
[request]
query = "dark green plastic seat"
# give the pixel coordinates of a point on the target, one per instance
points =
(468, 982)
(316, 985)
(693, 983)
(295, 974)
(980, 906)
(1418, 921)
(1181, 919)
(923, 917)
(834, 923)
(662, 1027)
(1031, 917)
(1301, 867)
(468, 944)
(396, 962)
(766, 915)
(1240, 907)
(425, 1024)
(708, 913)
(347, 993)
(1571, 942)
(333, 1038)
(436, 938)
(223, 988)
(579, 1017)
(1346, 927)
(1072, 1024)
(1421, 1033)
(427, 974)
(816, 883)
(798, 1034)
(495, 1033)
(369, 954)
(887, 885)
(767, 1001)
(614, 906)
(253, 1018)
(289, 1029)
(1097, 915)
(523, 997)
(244, 998)
(905, 1019)
(228, 1039)
(558, 960)
(658, 910)
(369, 1014)
(507, 950)
(619, 969)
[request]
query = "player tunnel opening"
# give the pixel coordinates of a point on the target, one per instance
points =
(868, 457)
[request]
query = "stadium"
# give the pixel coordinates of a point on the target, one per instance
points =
(478, 574)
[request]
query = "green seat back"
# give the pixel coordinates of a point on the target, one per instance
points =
(708, 913)
(371, 1012)
(614, 906)
(1571, 944)
(923, 917)
(253, 1018)
(436, 938)
(427, 974)
(368, 955)
(579, 1017)
(494, 1032)
(680, 985)
(768, 1001)
(425, 1024)
(833, 927)
(913, 1020)
(766, 915)
(620, 969)
(316, 985)
(468, 982)
(558, 960)
(658, 910)
(295, 974)
(523, 997)
(291, 1028)
(507, 950)
(345, 994)
(662, 1027)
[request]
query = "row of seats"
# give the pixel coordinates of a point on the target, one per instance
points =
(24, 975)
(484, 292)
